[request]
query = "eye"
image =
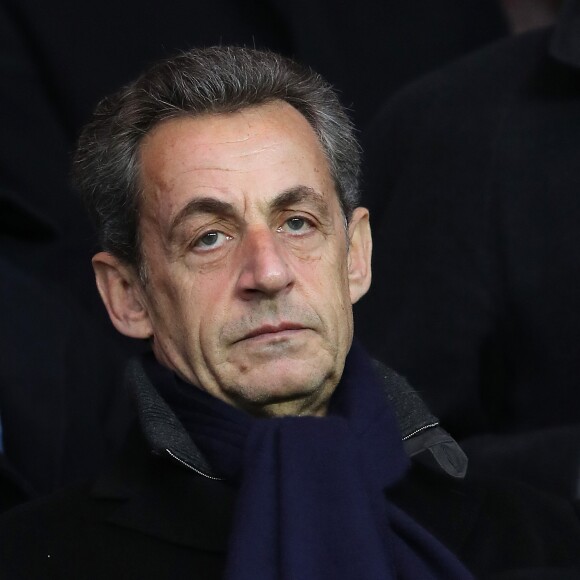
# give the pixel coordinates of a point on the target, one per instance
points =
(296, 225)
(210, 241)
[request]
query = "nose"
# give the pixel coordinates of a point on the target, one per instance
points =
(265, 270)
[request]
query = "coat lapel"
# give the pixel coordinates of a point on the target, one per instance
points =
(157, 496)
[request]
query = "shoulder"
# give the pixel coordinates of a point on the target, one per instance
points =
(470, 92)
(443, 128)
(496, 69)
(499, 528)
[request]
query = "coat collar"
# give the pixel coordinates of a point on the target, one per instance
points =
(155, 495)
(156, 488)
(420, 430)
(565, 41)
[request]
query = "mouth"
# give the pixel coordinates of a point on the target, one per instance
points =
(270, 331)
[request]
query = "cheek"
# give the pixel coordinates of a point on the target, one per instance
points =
(205, 305)
(328, 289)
(171, 298)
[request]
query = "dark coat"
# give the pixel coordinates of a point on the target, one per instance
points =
(155, 516)
(473, 178)
(63, 412)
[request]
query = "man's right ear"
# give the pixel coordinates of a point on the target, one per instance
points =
(121, 291)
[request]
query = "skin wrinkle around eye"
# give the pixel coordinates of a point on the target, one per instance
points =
(304, 245)
(229, 223)
(291, 197)
(306, 226)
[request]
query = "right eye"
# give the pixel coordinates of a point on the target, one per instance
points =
(211, 240)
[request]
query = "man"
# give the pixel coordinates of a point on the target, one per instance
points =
(224, 185)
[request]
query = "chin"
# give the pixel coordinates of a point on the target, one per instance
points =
(278, 392)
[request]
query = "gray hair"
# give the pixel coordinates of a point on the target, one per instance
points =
(106, 168)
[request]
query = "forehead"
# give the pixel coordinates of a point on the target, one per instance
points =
(252, 153)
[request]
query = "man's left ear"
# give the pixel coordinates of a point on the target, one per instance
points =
(359, 254)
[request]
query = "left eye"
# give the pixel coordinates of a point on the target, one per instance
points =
(296, 224)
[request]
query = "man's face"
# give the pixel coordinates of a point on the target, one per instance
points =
(248, 292)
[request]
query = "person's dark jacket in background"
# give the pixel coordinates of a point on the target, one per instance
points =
(63, 410)
(50, 83)
(473, 179)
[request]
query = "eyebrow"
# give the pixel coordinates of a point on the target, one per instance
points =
(300, 194)
(207, 205)
(289, 197)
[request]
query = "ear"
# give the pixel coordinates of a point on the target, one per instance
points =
(121, 291)
(359, 254)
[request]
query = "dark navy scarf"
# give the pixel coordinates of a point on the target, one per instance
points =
(311, 502)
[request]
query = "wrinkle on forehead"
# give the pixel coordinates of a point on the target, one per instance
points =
(224, 143)
(259, 150)
(206, 161)
(243, 155)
